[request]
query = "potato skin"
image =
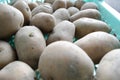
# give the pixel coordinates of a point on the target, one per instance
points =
(63, 60)
(44, 21)
(85, 26)
(29, 43)
(24, 8)
(17, 70)
(90, 13)
(32, 5)
(78, 3)
(7, 54)
(109, 66)
(97, 44)
(11, 20)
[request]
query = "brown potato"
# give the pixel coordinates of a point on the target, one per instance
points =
(63, 60)
(59, 4)
(69, 3)
(11, 20)
(29, 43)
(47, 8)
(97, 44)
(85, 26)
(73, 10)
(49, 1)
(44, 21)
(32, 5)
(7, 54)
(90, 13)
(89, 5)
(64, 30)
(78, 3)
(109, 66)
(17, 70)
(61, 14)
(24, 8)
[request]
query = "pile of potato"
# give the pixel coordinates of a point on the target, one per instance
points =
(60, 39)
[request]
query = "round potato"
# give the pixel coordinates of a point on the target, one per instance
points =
(24, 8)
(109, 66)
(17, 70)
(63, 60)
(85, 26)
(29, 43)
(61, 14)
(44, 21)
(7, 54)
(73, 10)
(47, 8)
(59, 4)
(90, 13)
(97, 44)
(32, 5)
(89, 5)
(64, 30)
(78, 3)
(11, 20)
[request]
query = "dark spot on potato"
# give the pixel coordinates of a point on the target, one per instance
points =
(31, 35)
(27, 9)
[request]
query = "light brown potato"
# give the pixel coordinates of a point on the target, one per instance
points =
(29, 43)
(89, 5)
(14, 1)
(47, 8)
(63, 60)
(109, 66)
(69, 3)
(61, 15)
(90, 13)
(32, 5)
(17, 70)
(73, 10)
(49, 1)
(59, 4)
(78, 3)
(11, 20)
(24, 8)
(44, 21)
(7, 54)
(85, 26)
(64, 30)
(97, 44)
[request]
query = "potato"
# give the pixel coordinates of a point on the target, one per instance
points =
(59, 4)
(64, 30)
(17, 70)
(97, 44)
(85, 26)
(109, 66)
(73, 10)
(89, 5)
(63, 60)
(24, 8)
(61, 14)
(44, 21)
(47, 8)
(29, 43)
(32, 5)
(69, 3)
(90, 13)
(11, 20)
(7, 54)
(49, 1)
(78, 3)
(14, 1)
